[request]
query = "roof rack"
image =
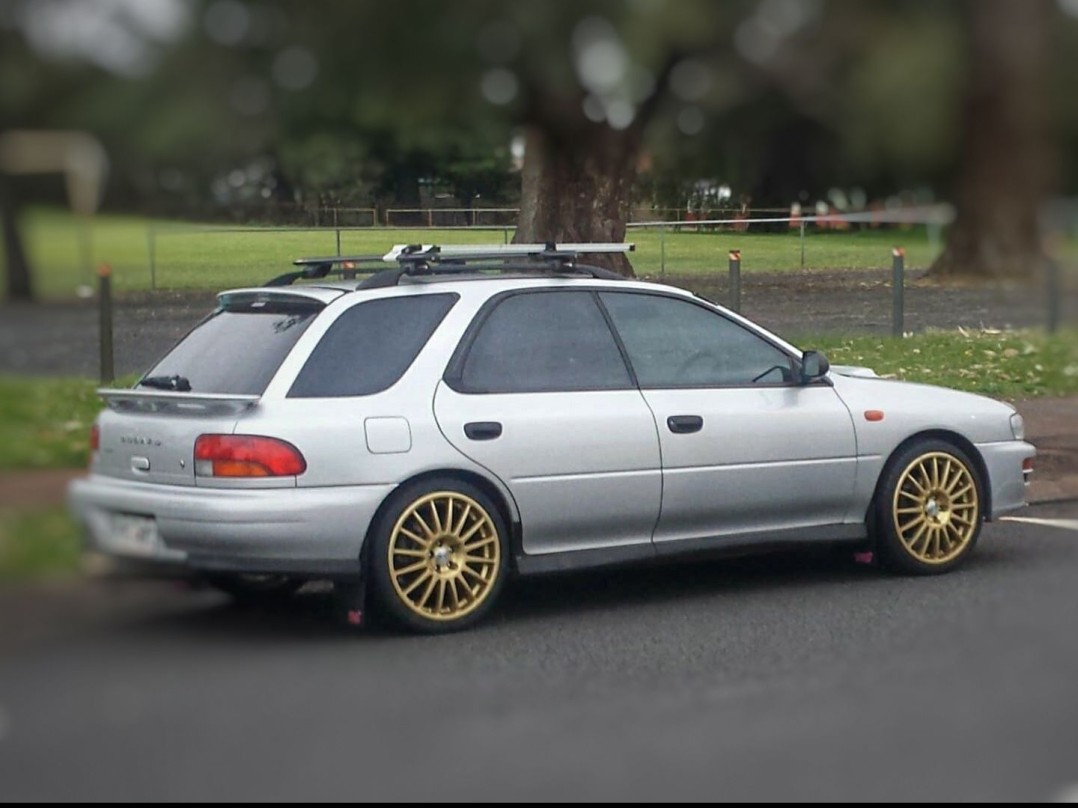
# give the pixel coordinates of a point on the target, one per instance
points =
(550, 251)
(504, 250)
(432, 259)
(347, 266)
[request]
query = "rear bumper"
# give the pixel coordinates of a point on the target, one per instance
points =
(302, 531)
(1009, 485)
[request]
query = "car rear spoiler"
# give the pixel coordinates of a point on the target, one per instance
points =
(163, 401)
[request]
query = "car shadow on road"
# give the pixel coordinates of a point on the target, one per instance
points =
(661, 582)
(314, 614)
(317, 615)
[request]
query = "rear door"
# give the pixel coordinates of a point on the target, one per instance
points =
(222, 366)
(539, 394)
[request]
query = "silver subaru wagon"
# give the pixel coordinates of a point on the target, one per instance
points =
(420, 434)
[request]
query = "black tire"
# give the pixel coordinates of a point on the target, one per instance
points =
(929, 509)
(255, 588)
(438, 556)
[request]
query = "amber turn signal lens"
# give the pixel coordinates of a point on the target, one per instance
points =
(246, 456)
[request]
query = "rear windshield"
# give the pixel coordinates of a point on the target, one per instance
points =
(238, 348)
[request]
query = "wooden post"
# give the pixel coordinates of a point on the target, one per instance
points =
(104, 300)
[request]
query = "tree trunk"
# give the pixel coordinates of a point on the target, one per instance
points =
(406, 194)
(576, 187)
(1006, 158)
(19, 284)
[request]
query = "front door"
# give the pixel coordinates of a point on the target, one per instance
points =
(746, 448)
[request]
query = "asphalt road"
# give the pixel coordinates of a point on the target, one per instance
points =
(794, 677)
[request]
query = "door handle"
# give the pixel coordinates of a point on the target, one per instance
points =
(684, 424)
(483, 430)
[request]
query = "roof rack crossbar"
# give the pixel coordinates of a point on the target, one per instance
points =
(418, 253)
(566, 268)
(338, 259)
(346, 266)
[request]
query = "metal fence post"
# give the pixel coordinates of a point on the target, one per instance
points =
(338, 230)
(735, 280)
(662, 251)
(151, 249)
(104, 310)
(898, 284)
(802, 244)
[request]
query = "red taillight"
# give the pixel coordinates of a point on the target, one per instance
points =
(246, 456)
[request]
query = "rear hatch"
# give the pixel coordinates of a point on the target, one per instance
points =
(202, 386)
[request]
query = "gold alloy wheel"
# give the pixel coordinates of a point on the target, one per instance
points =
(936, 509)
(444, 556)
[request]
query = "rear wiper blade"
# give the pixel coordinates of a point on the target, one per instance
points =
(177, 383)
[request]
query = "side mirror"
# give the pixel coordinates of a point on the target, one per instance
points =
(813, 366)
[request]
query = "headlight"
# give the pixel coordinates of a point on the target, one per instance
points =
(1018, 427)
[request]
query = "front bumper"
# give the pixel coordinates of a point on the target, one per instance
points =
(1003, 462)
(300, 531)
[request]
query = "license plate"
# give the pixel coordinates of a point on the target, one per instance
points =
(135, 534)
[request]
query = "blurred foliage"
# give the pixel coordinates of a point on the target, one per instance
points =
(363, 103)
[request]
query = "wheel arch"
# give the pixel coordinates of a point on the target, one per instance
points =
(498, 496)
(954, 438)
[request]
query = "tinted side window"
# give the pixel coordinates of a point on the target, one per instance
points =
(368, 348)
(676, 343)
(544, 342)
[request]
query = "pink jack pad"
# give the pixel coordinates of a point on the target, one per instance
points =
(864, 558)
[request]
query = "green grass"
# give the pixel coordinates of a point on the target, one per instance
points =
(208, 257)
(1008, 365)
(45, 423)
(689, 252)
(37, 542)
